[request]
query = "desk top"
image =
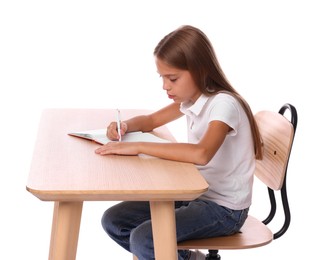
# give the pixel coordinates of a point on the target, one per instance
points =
(66, 168)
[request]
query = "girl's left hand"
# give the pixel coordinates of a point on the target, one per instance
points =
(121, 148)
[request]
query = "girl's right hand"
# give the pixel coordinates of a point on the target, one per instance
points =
(112, 131)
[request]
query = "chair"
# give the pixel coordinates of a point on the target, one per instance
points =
(277, 134)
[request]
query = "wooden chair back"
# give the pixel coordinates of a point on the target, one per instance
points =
(277, 136)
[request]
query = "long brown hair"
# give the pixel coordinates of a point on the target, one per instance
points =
(188, 48)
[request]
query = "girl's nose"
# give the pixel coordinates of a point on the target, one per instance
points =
(165, 86)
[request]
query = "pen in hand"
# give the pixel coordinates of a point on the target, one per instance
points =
(118, 122)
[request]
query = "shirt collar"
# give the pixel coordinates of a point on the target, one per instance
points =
(195, 108)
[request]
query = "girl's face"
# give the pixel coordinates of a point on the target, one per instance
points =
(179, 84)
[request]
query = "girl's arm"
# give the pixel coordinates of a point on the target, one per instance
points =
(200, 153)
(149, 122)
(146, 123)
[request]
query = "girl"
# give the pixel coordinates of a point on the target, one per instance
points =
(223, 142)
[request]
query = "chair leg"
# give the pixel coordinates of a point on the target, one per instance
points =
(213, 255)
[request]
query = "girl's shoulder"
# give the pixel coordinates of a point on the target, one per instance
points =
(225, 102)
(224, 96)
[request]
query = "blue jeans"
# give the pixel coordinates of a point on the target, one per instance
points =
(129, 224)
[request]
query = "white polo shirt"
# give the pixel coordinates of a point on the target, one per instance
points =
(230, 172)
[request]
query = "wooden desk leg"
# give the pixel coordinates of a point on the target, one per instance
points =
(65, 230)
(164, 230)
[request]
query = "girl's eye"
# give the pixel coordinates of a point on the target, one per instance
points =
(173, 79)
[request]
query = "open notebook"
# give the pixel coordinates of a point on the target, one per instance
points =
(99, 136)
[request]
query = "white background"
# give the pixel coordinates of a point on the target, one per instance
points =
(98, 54)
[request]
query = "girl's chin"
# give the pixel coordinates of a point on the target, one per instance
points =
(175, 99)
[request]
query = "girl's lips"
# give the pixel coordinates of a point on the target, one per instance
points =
(171, 96)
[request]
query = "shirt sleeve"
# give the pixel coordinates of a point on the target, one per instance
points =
(224, 108)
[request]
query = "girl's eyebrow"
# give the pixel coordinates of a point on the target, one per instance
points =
(168, 75)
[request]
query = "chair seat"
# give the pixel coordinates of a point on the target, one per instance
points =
(253, 234)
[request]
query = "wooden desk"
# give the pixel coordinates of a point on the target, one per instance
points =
(66, 170)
